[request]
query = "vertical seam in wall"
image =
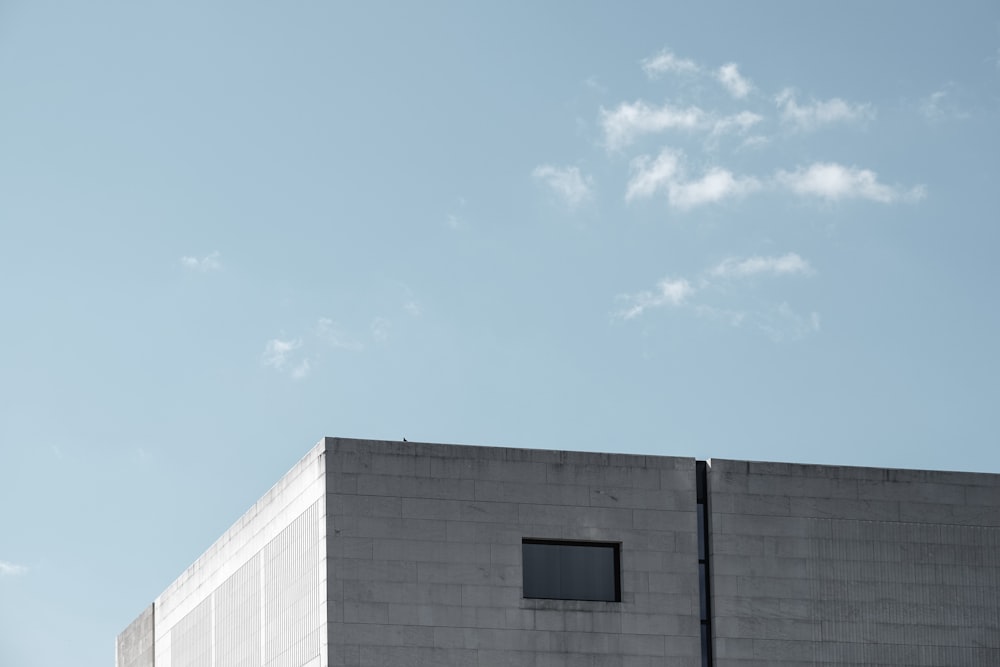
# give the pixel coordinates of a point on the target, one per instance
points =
(701, 472)
(324, 598)
(211, 627)
(262, 605)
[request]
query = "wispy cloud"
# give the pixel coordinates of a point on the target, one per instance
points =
(737, 85)
(665, 173)
(783, 323)
(301, 370)
(380, 329)
(628, 121)
(820, 112)
(833, 182)
(778, 322)
(786, 264)
(650, 175)
(666, 62)
(595, 85)
(277, 351)
(733, 318)
(11, 570)
(940, 106)
(572, 187)
(736, 123)
(210, 262)
(331, 333)
(455, 218)
(297, 357)
(667, 293)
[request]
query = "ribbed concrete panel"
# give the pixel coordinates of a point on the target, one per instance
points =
(291, 582)
(270, 607)
(821, 565)
(255, 598)
(887, 588)
(191, 638)
(237, 618)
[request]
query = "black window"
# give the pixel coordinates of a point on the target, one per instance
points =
(561, 570)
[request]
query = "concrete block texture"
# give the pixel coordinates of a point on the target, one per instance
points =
(424, 546)
(134, 646)
(397, 554)
(826, 565)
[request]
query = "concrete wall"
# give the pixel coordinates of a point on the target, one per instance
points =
(134, 647)
(424, 556)
(256, 596)
(389, 554)
(815, 565)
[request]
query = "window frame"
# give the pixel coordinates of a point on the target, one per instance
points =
(615, 548)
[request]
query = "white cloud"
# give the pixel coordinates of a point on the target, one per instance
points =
(667, 293)
(666, 61)
(412, 308)
(786, 264)
(567, 182)
(276, 352)
(827, 180)
(10, 569)
(650, 175)
(666, 173)
(714, 186)
(819, 112)
(622, 125)
(833, 182)
(210, 262)
(328, 331)
(730, 77)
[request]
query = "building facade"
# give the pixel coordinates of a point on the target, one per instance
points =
(390, 554)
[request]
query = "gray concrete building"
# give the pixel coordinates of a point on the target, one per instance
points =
(397, 554)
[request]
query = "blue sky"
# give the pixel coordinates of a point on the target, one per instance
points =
(747, 230)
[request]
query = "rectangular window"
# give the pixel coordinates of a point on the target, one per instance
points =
(562, 570)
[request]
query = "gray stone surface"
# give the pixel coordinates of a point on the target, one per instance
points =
(134, 647)
(425, 556)
(816, 565)
(390, 554)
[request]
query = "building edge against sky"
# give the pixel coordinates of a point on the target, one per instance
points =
(389, 553)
